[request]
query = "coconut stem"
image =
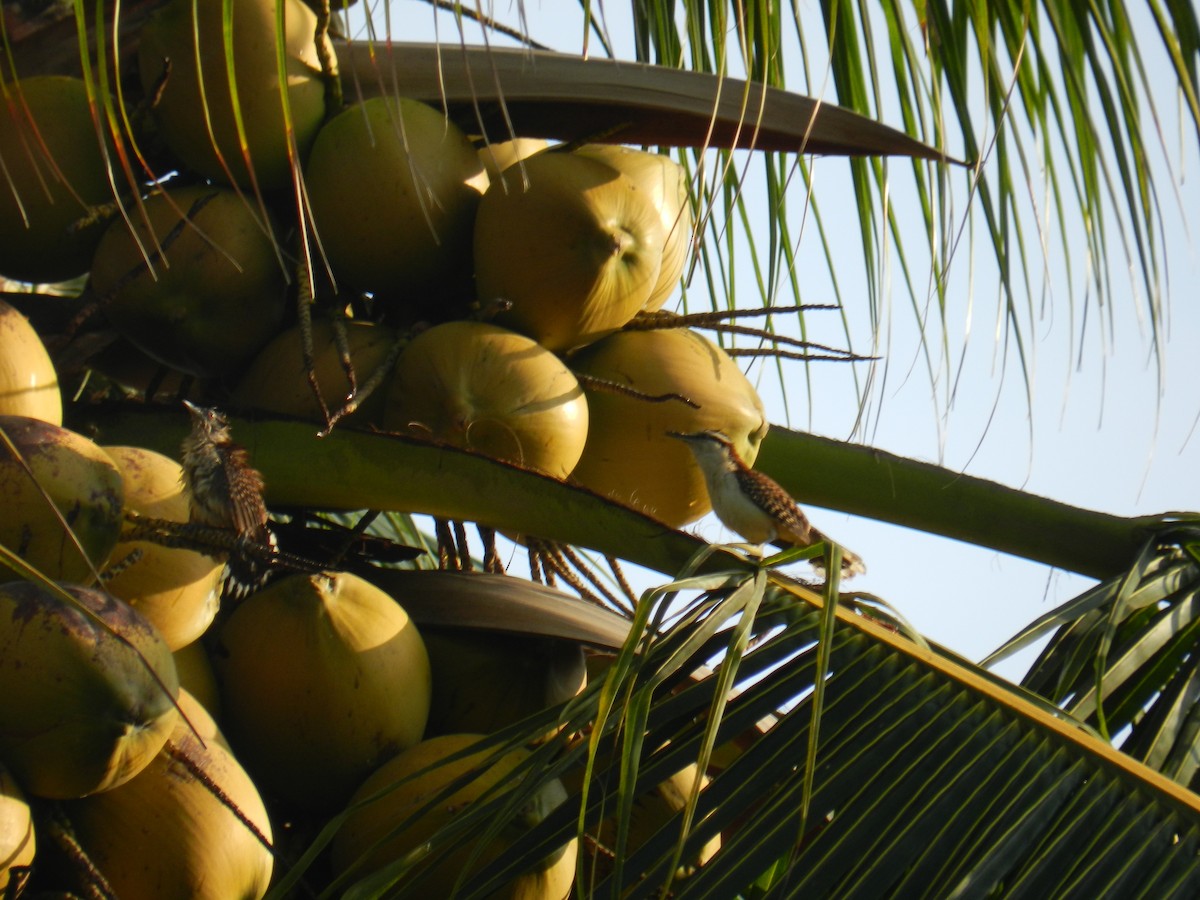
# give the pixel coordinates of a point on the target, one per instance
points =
(717, 321)
(606, 386)
(181, 756)
(90, 880)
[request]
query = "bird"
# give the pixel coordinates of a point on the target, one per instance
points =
(226, 492)
(751, 503)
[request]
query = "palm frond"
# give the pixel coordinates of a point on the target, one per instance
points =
(928, 778)
(1123, 655)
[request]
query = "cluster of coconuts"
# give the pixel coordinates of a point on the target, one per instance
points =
(557, 249)
(110, 702)
(173, 746)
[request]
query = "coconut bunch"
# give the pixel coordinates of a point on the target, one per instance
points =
(480, 292)
(177, 744)
(473, 294)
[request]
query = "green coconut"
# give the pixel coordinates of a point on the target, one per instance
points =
(197, 678)
(379, 832)
(55, 173)
(182, 828)
(18, 842)
(488, 389)
(389, 182)
(87, 687)
(666, 183)
(178, 590)
(322, 679)
(85, 487)
(652, 810)
(497, 156)
(196, 113)
(629, 456)
(484, 681)
(28, 382)
(574, 247)
(277, 380)
(214, 297)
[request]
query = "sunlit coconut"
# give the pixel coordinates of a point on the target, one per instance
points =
(575, 247)
(629, 456)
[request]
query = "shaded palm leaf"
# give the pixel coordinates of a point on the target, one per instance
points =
(930, 780)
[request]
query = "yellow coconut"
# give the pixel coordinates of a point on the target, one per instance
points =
(629, 456)
(666, 183)
(167, 835)
(377, 834)
(28, 382)
(54, 172)
(489, 389)
(87, 690)
(179, 591)
(576, 247)
(197, 678)
(497, 156)
(18, 844)
(86, 489)
(196, 718)
(653, 809)
(277, 380)
(195, 100)
(322, 678)
(397, 219)
(484, 681)
(217, 296)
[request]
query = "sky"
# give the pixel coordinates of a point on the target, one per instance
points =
(1100, 427)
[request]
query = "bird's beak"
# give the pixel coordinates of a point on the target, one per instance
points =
(678, 435)
(196, 411)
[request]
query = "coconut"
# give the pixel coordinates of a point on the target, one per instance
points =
(84, 485)
(484, 388)
(665, 182)
(178, 590)
(497, 156)
(398, 219)
(322, 678)
(87, 686)
(277, 380)
(196, 719)
(629, 456)
(28, 382)
(18, 843)
(575, 247)
(132, 372)
(196, 113)
(652, 810)
(197, 678)
(55, 171)
(484, 681)
(168, 835)
(377, 833)
(214, 297)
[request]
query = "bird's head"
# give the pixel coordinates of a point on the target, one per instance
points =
(711, 445)
(208, 423)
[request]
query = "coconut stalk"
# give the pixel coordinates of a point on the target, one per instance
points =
(381, 471)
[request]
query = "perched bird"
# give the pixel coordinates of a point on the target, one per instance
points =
(226, 492)
(751, 503)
